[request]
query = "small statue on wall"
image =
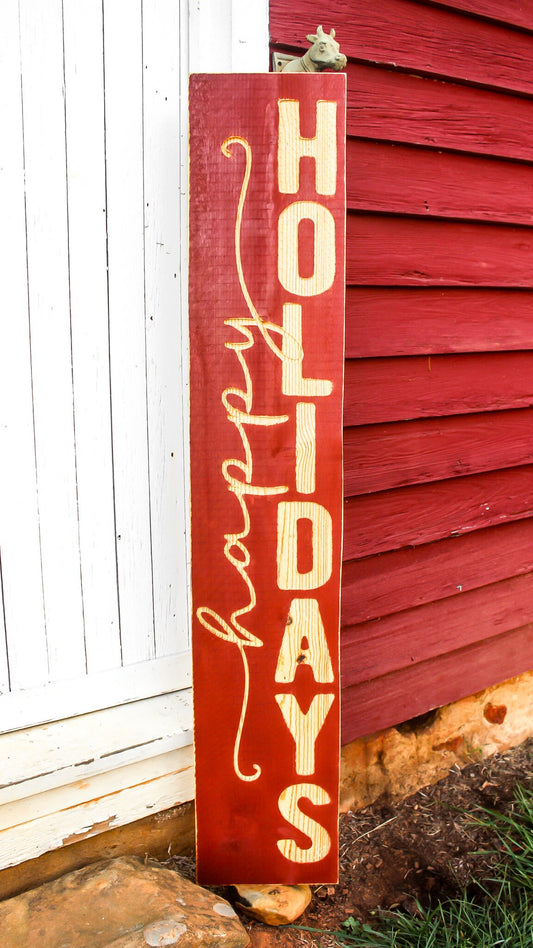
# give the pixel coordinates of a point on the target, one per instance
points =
(324, 54)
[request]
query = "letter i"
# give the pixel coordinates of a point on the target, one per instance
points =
(305, 447)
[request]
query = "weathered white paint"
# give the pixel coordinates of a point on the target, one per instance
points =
(94, 550)
(21, 556)
(74, 778)
(126, 235)
(39, 759)
(41, 44)
(94, 616)
(162, 258)
(228, 36)
(94, 692)
(89, 807)
(86, 194)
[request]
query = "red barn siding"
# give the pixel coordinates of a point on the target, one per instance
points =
(438, 544)
(409, 516)
(517, 14)
(425, 320)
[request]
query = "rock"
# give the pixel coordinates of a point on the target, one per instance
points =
(273, 904)
(122, 903)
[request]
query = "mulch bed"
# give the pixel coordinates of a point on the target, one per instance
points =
(393, 855)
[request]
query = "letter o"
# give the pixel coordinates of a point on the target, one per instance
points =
(324, 263)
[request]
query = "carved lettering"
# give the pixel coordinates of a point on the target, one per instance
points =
(305, 626)
(324, 264)
(292, 381)
(318, 836)
(305, 728)
(292, 147)
(289, 512)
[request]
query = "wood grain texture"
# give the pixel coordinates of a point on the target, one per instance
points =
(395, 389)
(49, 305)
(515, 14)
(392, 642)
(154, 835)
(391, 321)
(161, 725)
(425, 39)
(413, 690)
(402, 579)
(410, 516)
(395, 107)
(127, 328)
(403, 179)
(93, 492)
(401, 251)
(266, 475)
(165, 358)
(381, 457)
(87, 227)
(81, 809)
(22, 593)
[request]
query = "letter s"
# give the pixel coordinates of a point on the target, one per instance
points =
(320, 839)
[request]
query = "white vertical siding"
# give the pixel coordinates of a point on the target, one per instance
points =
(41, 41)
(125, 232)
(86, 194)
(166, 360)
(93, 418)
(4, 669)
(228, 36)
(20, 540)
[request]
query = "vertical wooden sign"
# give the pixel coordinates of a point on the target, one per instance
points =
(267, 237)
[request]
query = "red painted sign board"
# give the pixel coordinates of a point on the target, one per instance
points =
(267, 238)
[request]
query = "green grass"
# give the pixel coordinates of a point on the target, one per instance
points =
(495, 914)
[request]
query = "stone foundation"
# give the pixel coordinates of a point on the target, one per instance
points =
(391, 764)
(398, 761)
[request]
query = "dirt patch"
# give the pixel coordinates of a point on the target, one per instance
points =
(423, 848)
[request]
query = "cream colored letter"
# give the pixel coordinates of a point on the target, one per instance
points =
(324, 263)
(305, 469)
(306, 623)
(289, 513)
(292, 147)
(305, 728)
(292, 382)
(319, 837)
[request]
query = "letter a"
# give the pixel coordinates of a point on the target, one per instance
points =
(306, 624)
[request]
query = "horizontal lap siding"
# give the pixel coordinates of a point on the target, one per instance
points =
(436, 320)
(381, 457)
(391, 106)
(380, 390)
(413, 36)
(383, 702)
(437, 598)
(408, 516)
(516, 14)
(443, 184)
